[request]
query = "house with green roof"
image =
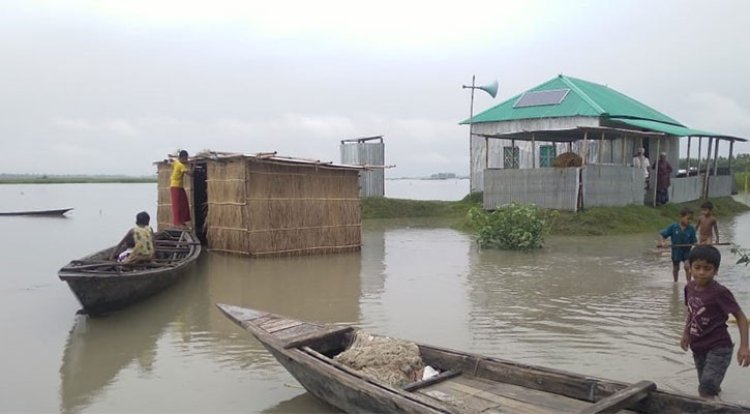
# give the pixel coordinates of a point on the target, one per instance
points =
(513, 146)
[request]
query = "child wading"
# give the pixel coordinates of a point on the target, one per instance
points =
(707, 225)
(708, 304)
(683, 238)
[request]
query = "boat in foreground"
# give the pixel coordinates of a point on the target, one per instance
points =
(103, 285)
(51, 213)
(466, 383)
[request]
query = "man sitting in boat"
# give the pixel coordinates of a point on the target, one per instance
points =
(141, 238)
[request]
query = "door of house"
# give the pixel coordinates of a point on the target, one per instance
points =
(547, 154)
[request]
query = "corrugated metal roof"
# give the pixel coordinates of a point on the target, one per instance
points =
(585, 99)
(272, 157)
(678, 131)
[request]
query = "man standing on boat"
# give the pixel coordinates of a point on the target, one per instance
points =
(180, 205)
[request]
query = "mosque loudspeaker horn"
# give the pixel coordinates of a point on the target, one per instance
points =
(490, 89)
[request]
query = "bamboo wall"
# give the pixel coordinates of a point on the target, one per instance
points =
(164, 198)
(264, 208)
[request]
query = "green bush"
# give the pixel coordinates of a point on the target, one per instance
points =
(512, 227)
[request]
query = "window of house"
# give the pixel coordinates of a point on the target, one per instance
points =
(511, 157)
(547, 154)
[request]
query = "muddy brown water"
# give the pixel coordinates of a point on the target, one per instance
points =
(603, 306)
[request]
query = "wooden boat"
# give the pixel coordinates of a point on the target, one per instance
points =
(467, 383)
(53, 213)
(103, 285)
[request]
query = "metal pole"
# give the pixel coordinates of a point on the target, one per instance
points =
(700, 143)
(656, 170)
(533, 151)
(471, 135)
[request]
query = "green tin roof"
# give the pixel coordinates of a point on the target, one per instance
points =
(584, 99)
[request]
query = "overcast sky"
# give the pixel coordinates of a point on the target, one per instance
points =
(108, 87)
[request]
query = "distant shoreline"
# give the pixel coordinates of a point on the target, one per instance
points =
(74, 180)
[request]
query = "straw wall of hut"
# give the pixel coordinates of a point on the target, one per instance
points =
(266, 207)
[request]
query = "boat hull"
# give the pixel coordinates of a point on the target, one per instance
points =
(111, 287)
(467, 383)
(44, 213)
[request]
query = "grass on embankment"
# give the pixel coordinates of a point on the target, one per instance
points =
(592, 221)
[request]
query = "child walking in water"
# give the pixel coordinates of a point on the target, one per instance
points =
(709, 303)
(707, 225)
(682, 235)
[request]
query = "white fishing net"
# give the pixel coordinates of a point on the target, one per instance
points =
(390, 360)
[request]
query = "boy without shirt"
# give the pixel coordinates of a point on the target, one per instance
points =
(707, 225)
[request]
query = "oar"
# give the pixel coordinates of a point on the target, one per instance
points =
(694, 244)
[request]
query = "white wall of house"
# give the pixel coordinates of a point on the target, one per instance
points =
(617, 151)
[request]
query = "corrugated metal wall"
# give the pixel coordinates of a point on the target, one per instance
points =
(554, 188)
(682, 189)
(372, 182)
(720, 186)
(612, 185)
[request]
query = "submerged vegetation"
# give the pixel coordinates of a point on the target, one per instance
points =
(592, 221)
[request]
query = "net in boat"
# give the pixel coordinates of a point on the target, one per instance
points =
(393, 361)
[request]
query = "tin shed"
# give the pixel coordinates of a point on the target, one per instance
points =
(267, 205)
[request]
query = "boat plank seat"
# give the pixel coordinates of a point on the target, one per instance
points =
(317, 335)
(474, 394)
(279, 325)
(622, 399)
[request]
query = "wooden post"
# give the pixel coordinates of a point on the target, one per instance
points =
(656, 170)
(585, 147)
(731, 151)
(716, 156)
(708, 169)
(533, 151)
(513, 154)
(486, 153)
(700, 142)
(624, 146)
(601, 149)
(687, 168)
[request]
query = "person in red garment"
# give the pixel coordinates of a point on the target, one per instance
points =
(180, 205)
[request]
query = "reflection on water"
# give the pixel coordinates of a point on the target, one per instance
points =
(603, 306)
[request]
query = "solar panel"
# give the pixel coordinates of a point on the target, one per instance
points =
(539, 98)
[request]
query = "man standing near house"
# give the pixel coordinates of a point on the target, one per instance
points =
(663, 176)
(641, 162)
(180, 205)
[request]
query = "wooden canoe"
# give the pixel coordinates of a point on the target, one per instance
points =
(468, 383)
(52, 213)
(103, 285)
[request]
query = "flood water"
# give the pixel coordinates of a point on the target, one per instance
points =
(603, 306)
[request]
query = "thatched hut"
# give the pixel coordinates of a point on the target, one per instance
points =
(264, 204)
